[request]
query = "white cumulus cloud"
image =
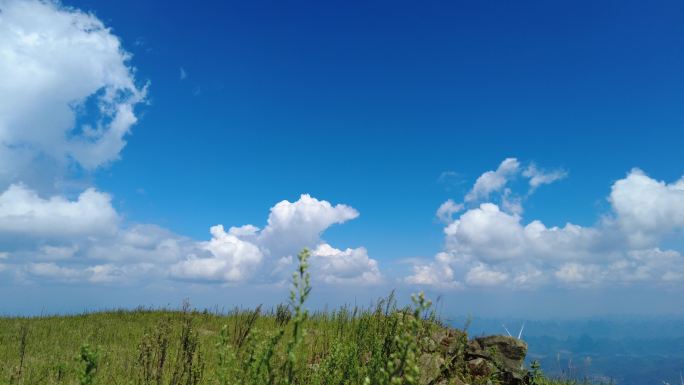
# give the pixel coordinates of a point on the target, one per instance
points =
(59, 66)
(492, 181)
(293, 225)
(242, 252)
(446, 211)
(232, 259)
(487, 245)
(24, 214)
(483, 275)
(647, 209)
(344, 266)
(436, 273)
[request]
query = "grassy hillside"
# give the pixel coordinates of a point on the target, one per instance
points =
(286, 345)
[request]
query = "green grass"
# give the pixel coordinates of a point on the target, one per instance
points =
(286, 345)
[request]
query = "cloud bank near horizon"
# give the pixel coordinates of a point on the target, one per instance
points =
(490, 244)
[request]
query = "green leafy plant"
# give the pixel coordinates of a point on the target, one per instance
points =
(401, 367)
(301, 287)
(89, 358)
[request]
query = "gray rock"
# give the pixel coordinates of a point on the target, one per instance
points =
(510, 351)
(448, 357)
(480, 367)
(506, 353)
(430, 367)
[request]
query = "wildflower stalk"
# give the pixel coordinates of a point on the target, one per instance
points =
(301, 287)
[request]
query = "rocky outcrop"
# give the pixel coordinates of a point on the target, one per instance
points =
(505, 356)
(450, 358)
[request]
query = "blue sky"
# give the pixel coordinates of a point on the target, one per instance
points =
(371, 103)
(390, 108)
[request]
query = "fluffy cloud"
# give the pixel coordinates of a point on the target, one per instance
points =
(344, 266)
(493, 181)
(24, 214)
(126, 254)
(67, 100)
(496, 182)
(232, 259)
(293, 225)
(437, 273)
(60, 66)
(446, 211)
(241, 252)
(647, 209)
(487, 231)
(487, 245)
(494, 236)
(94, 246)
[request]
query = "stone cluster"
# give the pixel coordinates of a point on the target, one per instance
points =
(449, 358)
